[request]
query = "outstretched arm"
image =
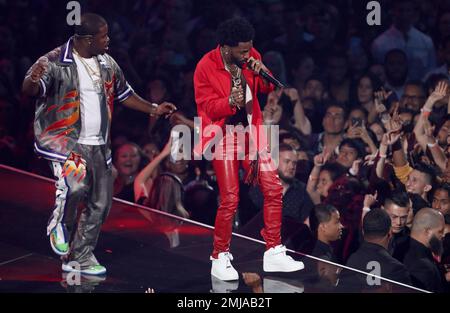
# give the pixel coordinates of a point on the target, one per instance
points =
(311, 187)
(32, 83)
(144, 175)
(137, 103)
(436, 151)
(302, 123)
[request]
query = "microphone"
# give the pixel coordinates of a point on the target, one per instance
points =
(266, 76)
(270, 78)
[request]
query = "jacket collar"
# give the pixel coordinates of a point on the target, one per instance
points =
(66, 56)
(217, 58)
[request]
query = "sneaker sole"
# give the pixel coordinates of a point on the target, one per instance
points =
(269, 268)
(67, 268)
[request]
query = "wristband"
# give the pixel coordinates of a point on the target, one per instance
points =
(154, 106)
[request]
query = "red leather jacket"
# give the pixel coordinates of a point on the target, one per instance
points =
(212, 87)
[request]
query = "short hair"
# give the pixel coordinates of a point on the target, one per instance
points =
(335, 169)
(286, 147)
(443, 186)
(333, 104)
(361, 109)
(90, 25)
(417, 83)
(356, 144)
(426, 218)
(318, 77)
(429, 172)
(321, 213)
(235, 30)
(292, 136)
(376, 224)
(398, 198)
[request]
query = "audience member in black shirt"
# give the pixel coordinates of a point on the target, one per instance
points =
(373, 256)
(427, 231)
(398, 207)
(296, 202)
(325, 223)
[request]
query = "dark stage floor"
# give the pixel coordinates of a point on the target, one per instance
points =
(142, 248)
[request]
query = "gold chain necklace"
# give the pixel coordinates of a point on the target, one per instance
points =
(237, 76)
(89, 69)
(93, 74)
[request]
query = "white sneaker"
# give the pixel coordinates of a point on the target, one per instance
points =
(276, 260)
(222, 268)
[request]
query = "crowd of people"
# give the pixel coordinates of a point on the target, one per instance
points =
(364, 124)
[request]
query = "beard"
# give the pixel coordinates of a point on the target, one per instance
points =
(436, 245)
(237, 62)
(287, 180)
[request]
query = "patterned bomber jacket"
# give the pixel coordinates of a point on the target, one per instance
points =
(57, 123)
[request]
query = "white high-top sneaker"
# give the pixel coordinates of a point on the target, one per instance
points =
(222, 268)
(276, 260)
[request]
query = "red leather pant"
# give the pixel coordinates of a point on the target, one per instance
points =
(228, 181)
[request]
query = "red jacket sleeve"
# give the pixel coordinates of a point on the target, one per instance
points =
(208, 98)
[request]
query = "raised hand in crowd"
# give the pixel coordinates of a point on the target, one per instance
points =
(272, 111)
(311, 187)
(438, 94)
(302, 122)
(380, 98)
(362, 133)
(369, 200)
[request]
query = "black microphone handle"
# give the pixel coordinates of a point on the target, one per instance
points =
(271, 79)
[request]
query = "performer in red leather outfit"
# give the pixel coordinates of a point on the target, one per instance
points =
(226, 84)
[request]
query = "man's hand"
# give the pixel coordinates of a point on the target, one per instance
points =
(274, 97)
(370, 200)
(321, 158)
(237, 97)
(165, 108)
(359, 132)
(38, 69)
(391, 137)
(256, 65)
(178, 118)
(292, 93)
